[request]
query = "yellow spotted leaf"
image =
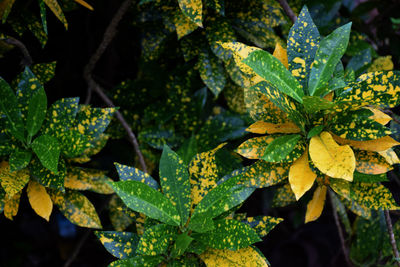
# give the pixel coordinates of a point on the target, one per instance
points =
(301, 177)
(377, 145)
(381, 63)
(39, 199)
(254, 148)
(12, 182)
(379, 116)
(193, 10)
(261, 127)
(239, 258)
(87, 179)
(281, 54)
(183, 24)
(332, 159)
(370, 162)
(56, 9)
(390, 156)
(11, 205)
(316, 205)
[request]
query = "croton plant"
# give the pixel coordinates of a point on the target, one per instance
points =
(319, 126)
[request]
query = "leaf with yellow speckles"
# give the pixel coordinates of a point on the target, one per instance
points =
(182, 242)
(281, 54)
(212, 72)
(379, 116)
(73, 143)
(120, 215)
(274, 72)
(46, 177)
(12, 182)
(356, 125)
(92, 122)
(316, 205)
(183, 24)
(301, 177)
(19, 159)
(390, 156)
(254, 148)
(174, 179)
(39, 199)
(313, 104)
(217, 5)
(377, 145)
(138, 261)
(47, 149)
(238, 258)
(286, 148)
(302, 44)
(56, 9)
(283, 196)
(11, 205)
(264, 174)
(35, 26)
(369, 178)
(61, 116)
(330, 50)
(330, 158)
(219, 30)
(142, 198)
(370, 162)
(381, 63)
(262, 224)
(261, 127)
(44, 71)
(76, 208)
(193, 9)
(79, 178)
(120, 244)
(156, 240)
(228, 234)
(127, 173)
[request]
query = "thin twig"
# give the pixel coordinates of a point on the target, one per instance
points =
(340, 232)
(107, 38)
(288, 10)
(392, 238)
(27, 60)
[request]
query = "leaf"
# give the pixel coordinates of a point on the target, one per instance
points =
(188, 150)
(219, 30)
(369, 178)
(61, 116)
(390, 156)
(193, 10)
(39, 199)
(228, 234)
(5, 9)
(302, 44)
(9, 107)
(182, 242)
(183, 24)
(36, 112)
(19, 159)
(56, 9)
(44, 71)
(283, 196)
(76, 208)
(331, 49)
(238, 258)
(174, 179)
(212, 72)
(120, 215)
(46, 177)
(47, 149)
(274, 72)
(281, 147)
(381, 63)
(73, 143)
(43, 16)
(313, 104)
(262, 224)
(92, 122)
(78, 178)
(369, 162)
(12, 182)
(301, 177)
(281, 55)
(377, 145)
(127, 173)
(156, 240)
(315, 131)
(379, 116)
(332, 159)
(11, 205)
(120, 244)
(264, 174)
(261, 127)
(83, 3)
(142, 198)
(138, 261)
(316, 205)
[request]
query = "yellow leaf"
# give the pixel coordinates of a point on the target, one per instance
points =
(39, 199)
(56, 9)
(390, 156)
(376, 145)
(329, 96)
(244, 257)
(330, 158)
(87, 179)
(11, 205)
(301, 177)
(381, 63)
(261, 127)
(281, 54)
(12, 182)
(316, 205)
(379, 116)
(83, 3)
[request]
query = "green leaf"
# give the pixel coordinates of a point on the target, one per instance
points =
(262, 224)
(73, 143)
(93, 121)
(201, 224)
(142, 198)
(19, 159)
(156, 239)
(36, 112)
(193, 10)
(283, 196)
(28, 86)
(182, 242)
(369, 178)
(219, 29)
(281, 147)
(212, 72)
(47, 149)
(9, 107)
(120, 244)
(61, 116)
(127, 173)
(42, 8)
(274, 72)
(174, 179)
(46, 177)
(313, 104)
(138, 261)
(359, 62)
(331, 49)
(228, 234)
(302, 44)
(188, 149)
(264, 174)
(76, 208)
(315, 131)
(56, 9)
(44, 71)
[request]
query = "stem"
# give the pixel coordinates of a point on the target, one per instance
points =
(289, 12)
(340, 232)
(27, 60)
(391, 236)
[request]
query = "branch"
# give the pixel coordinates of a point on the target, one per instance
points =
(392, 238)
(340, 232)
(289, 12)
(27, 60)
